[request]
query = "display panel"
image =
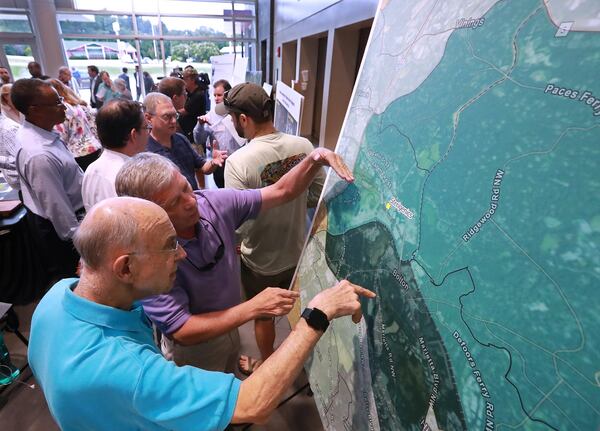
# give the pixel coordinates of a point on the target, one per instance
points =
(473, 133)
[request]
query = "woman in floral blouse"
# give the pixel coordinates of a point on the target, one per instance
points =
(78, 130)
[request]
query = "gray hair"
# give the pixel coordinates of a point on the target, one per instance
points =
(5, 92)
(152, 100)
(64, 69)
(144, 175)
(93, 240)
(120, 84)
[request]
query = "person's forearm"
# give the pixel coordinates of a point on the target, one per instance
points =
(203, 327)
(260, 393)
(208, 167)
(292, 184)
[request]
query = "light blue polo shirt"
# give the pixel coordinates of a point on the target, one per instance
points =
(99, 370)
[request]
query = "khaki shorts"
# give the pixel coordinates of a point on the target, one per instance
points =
(253, 283)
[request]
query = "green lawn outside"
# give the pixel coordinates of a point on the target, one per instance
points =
(18, 65)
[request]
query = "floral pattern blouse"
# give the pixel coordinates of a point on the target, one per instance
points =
(78, 131)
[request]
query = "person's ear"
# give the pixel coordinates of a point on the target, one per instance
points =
(124, 268)
(243, 119)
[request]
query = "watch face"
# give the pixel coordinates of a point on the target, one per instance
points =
(316, 319)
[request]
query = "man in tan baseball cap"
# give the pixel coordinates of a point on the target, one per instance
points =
(272, 244)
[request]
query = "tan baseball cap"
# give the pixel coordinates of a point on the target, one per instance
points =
(247, 98)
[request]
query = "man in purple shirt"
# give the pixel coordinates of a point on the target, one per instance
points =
(202, 312)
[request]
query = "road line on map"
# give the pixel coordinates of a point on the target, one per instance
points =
(491, 345)
(553, 147)
(556, 285)
(575, 390)
(532, 383)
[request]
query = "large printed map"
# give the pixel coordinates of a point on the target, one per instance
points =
(474, 137)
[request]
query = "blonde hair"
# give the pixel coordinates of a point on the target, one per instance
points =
(65, 92)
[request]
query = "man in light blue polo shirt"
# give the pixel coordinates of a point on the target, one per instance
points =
(94, 355)
(91, 345)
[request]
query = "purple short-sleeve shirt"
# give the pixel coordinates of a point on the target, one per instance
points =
(222, 211)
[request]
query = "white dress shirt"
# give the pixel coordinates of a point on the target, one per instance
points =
(99, 177)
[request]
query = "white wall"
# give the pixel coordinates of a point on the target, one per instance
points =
(298, 19)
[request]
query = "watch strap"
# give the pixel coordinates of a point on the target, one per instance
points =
(316, 319)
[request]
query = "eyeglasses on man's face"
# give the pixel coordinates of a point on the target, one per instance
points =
(60, 102)
(172, 249)
(167, 117)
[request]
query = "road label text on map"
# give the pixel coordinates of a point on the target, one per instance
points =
(389, 351)
(485, 393)
(494, 199)
(470, 22)
(586, 96)
(436, 377)
(400, 208)
(398, 276)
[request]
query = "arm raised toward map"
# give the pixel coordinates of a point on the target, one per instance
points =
(300, 177)
(260, 393)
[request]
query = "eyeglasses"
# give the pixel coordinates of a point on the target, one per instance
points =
(61, 102)
(166, 250)
(218, 254)
(167, 117)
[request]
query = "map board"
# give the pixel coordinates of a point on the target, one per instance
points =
(288, 109)
(474, 137)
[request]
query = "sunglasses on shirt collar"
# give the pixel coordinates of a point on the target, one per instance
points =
(218, 254)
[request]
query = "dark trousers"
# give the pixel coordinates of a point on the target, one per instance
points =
(219, 176)
(85, 161)
(59, 256)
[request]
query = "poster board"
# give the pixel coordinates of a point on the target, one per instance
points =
(473, 134)
(288, 109)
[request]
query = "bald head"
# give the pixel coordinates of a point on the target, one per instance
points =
(116, 226)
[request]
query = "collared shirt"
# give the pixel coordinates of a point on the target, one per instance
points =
(222, 130)
(8, 150)
(195, 291)
(99, 178)
(182, 154)
(99, 369)
(50, 178)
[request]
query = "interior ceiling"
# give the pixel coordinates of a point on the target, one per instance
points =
(23, 4)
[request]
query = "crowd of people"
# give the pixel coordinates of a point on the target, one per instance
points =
(132, 240)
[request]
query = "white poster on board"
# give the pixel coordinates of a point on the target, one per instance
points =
(288, 109)
(222, 67)
(239, 70)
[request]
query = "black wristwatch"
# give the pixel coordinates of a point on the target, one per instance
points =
(316, 319)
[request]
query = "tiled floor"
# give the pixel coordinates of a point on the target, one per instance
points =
(23, 408)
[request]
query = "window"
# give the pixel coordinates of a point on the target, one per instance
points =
(14, 23)
(165, 34)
